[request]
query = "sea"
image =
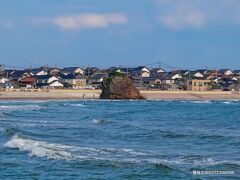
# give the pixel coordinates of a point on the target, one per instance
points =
(104, 139)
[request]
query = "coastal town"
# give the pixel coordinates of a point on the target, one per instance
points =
(144, 78)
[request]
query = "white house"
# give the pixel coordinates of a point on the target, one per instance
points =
(176, 76)
(55, 84)
(38, 71)
(157, 70)
(226, 72)
(141, 71)
(170, 78)
(4, 80)
(198, 75)
(73, 70)
(46, 79)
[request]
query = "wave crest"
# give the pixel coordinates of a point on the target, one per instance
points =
(20, 107)
(39, 148)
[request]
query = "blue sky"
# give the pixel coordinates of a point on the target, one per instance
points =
(185, 34)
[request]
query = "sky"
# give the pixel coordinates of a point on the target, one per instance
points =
(186, 34)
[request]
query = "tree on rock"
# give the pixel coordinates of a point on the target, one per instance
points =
(119, 86)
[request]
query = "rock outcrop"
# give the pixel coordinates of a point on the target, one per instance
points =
(119, 88)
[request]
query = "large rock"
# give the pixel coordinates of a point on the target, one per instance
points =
(119, 88)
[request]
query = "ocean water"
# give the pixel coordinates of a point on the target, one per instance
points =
(96, 139)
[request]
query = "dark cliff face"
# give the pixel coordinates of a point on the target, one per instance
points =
(119, 88)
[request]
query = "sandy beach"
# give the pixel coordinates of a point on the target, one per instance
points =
(52, 94)
(190, 95)
(94, 94)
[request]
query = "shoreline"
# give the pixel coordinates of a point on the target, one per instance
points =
(94, 94)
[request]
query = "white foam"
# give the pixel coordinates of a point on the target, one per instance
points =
(39, 148)
(20, 108)
(122, 151)
(63, 152)
(116, 155)
(201, 102)
(75, 105)
(98, 121)
(123, 155)
(227, 102)
(78, 105)
(131, 151)
(237, 163)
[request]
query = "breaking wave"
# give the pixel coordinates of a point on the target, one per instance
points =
(75, 105)
(64, 152)
(21, 107)
(39, 148)
(115, 156)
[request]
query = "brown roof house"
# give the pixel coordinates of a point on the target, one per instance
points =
(28, 82)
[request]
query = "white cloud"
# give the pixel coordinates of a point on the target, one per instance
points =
(188, 19)
(89, 20)
(181, 14)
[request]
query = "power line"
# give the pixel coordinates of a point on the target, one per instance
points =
(159, 63)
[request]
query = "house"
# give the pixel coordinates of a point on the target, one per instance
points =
(73, 70)
(212, 78)
(54, 71)
(55, 84)
(7, 85)
(90, 71)
(225, 72)
(39, 71)
(157, 70)
(4, 80)
(18, 74)
(97, 79)
(196, 74)
(138, 74)
(183, 72)
(199, 84)
(213, 72)
(169, 81)
(141, 71)
(202, 71)
(167, 78)
(151, 81)
(236, 72)
(116, 69)
(45, 80)
(74, 81)
(234, 78)
(228, 84)
(28, 82)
